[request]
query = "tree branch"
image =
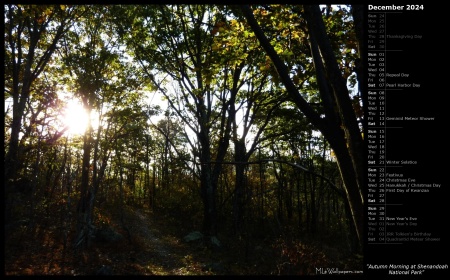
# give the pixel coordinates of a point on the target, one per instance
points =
(296, 165)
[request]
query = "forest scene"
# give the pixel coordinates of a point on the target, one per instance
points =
(183, 139)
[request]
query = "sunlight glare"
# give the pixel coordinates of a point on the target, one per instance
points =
(76, 118)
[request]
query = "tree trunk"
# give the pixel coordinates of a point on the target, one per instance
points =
(313, 203)
(209, 200)
(207, 187)
(238, 199)
(84, 208)
(343, 134)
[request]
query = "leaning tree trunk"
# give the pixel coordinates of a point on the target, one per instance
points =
(341, 130)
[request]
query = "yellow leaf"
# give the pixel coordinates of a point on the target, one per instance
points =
(215, 47)
(208, 80)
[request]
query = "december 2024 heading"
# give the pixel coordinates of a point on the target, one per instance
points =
(394, 7)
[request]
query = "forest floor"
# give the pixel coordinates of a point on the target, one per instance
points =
(151, 245)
